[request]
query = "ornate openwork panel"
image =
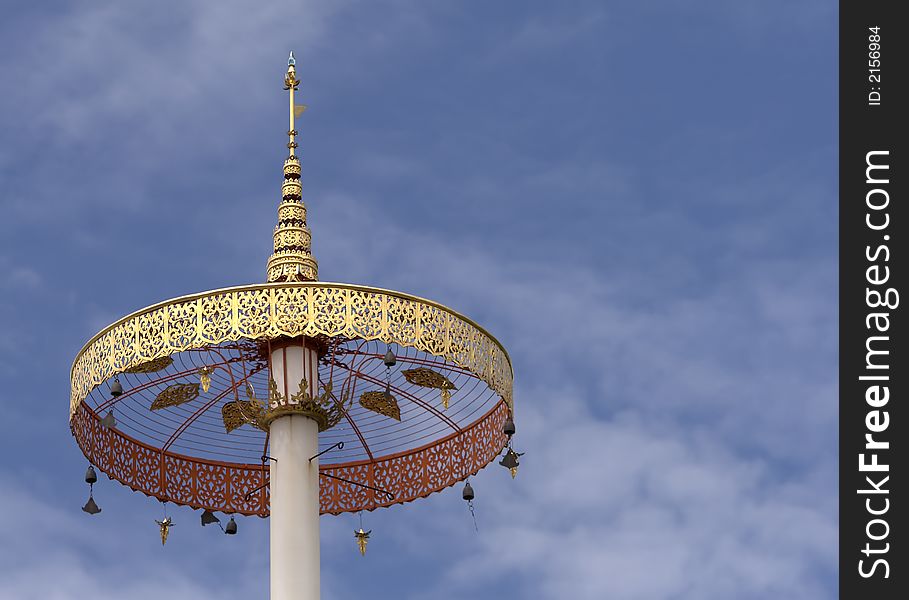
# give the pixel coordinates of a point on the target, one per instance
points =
(272, 310)
(226, 486)
(195, 373)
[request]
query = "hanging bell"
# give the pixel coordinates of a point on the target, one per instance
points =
(467, 494)
(208, 518)
(508, 428)
(109, 422)
(91, 507)
(90, 476)
(115, 388)
(390, 359)
(231, 527)
(510, 462)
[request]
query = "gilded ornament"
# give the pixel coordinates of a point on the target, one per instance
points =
(152, 366)
(362, 539)
(432, 379)
(205, 378)
(175, 395)
(232, 415)
(243, 412)
(381, 402)
(265, 311)
(144, 342)
(238, 412)
(325, 409)
(164, 527)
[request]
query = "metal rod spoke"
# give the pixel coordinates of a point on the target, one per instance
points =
(339, 446)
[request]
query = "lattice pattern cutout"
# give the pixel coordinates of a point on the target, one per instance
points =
(381, 402)
(268, 311)
(175, 395)
(152, 366)
(220, 486)
(432, 379)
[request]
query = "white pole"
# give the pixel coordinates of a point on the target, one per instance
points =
(294, 481)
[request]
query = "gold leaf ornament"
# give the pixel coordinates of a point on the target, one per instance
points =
(175, 395)
(432, 379)
(232, 415)
(382, 403)
(243, 412)
(152, 366)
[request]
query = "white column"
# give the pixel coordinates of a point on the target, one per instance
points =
(294, 482)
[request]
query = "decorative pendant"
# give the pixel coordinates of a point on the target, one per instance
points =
(242, 412)
(382, 403)
(205, 378)
(432, 379)
(362, 539)
(165, 526)
(152, 366)
(175, 395)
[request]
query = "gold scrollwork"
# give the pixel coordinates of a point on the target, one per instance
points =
(432, 379)
(175, 395)
(242, 412)
(152, 366)
(382, 403)
(293, 309)
(325, 409)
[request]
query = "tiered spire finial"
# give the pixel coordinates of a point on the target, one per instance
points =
(292, 259)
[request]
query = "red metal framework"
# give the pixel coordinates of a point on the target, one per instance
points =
(184, 452)
(223, 486)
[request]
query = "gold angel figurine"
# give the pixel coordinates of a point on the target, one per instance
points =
(165, 526)
(362, 539)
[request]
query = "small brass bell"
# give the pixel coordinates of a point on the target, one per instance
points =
(115, 388)
(390, 359)
(231, 527)
(90, 476)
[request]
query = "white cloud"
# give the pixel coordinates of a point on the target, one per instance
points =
(690, 438)
(679, 444)
(52, 554)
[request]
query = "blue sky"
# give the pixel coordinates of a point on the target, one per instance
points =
(638, 199)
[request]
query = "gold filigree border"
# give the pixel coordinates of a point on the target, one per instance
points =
(289, 309)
